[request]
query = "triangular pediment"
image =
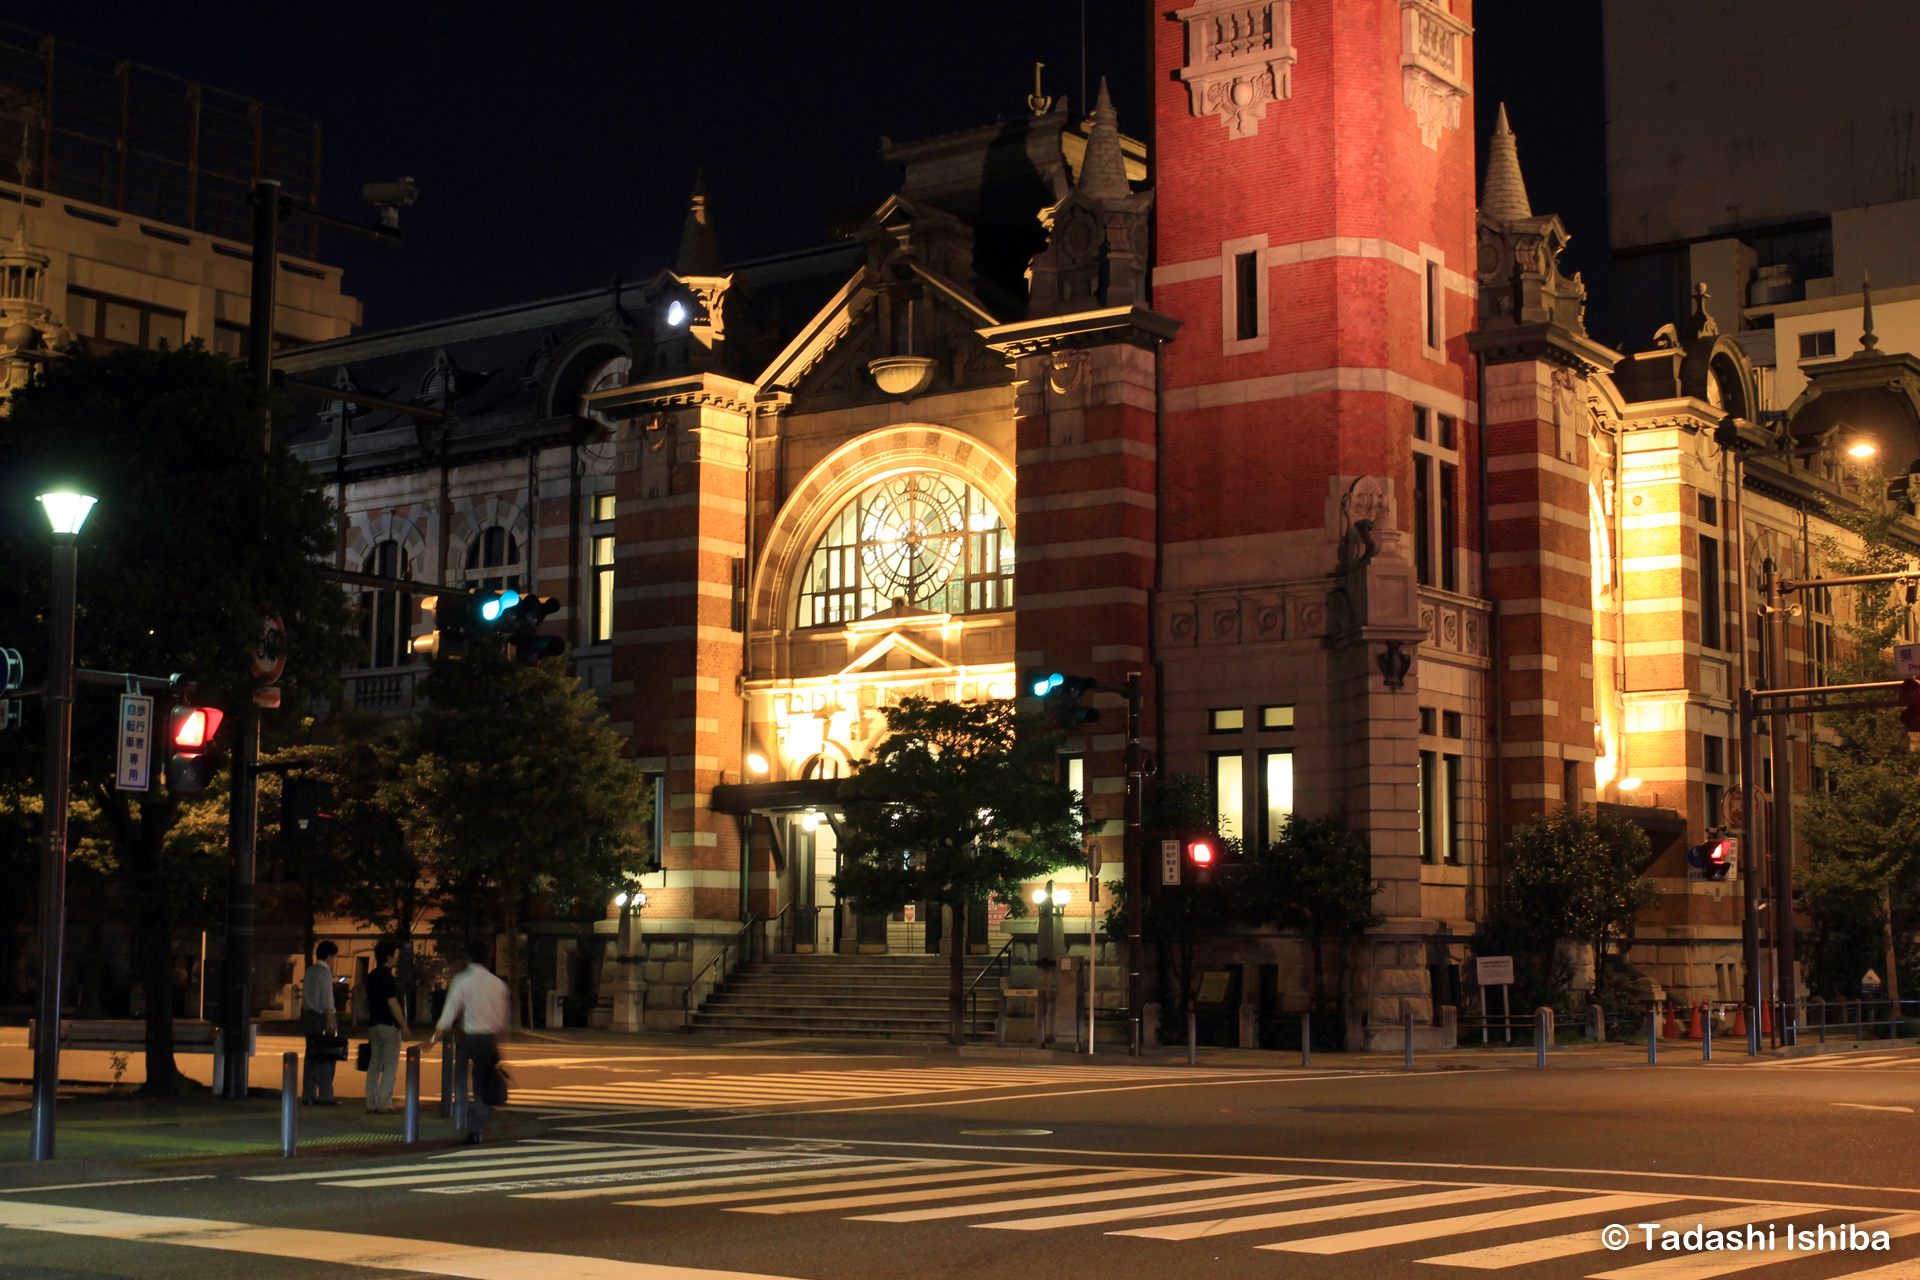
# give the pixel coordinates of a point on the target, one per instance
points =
(918, 656)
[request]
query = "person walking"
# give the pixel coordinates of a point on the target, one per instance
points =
(386, 1029)
(480, 1001)
(317, 1018)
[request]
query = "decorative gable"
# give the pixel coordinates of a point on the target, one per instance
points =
(1433, 66)
(1239, 59)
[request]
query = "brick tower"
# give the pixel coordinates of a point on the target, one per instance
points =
(1318, 621)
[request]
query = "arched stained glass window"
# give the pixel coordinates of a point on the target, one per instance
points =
(927, 538)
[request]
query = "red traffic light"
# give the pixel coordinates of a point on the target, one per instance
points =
(194, 727)
(1201, 852)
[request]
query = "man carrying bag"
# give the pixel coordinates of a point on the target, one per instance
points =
(325, 1046)
(481, 1003)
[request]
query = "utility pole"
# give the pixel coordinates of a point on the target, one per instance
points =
(1130, 870)
(1781, 828)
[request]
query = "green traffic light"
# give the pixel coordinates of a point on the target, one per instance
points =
(492, 609)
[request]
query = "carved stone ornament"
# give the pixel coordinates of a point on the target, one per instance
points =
(1239, 59)
(1433, 66)
(1067, 371)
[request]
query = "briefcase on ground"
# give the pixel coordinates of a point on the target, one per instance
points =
(330, 1048)
(363, 1054)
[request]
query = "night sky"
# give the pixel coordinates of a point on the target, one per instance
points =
(555, 144)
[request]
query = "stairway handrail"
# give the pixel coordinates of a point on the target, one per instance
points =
(986, 969)
(686, 996)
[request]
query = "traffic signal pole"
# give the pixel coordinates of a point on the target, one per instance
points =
(1781, 828)
(53, 864)
(243, 815)
(1130, 869)
(1749, 854)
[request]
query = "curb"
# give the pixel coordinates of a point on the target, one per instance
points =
(46, 1173)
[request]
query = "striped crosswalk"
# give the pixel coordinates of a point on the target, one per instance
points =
(1512, 1227)
(1843, 1061)
(774, 1089)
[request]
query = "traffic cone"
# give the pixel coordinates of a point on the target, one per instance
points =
(1670, 1029)
(1766, 1018)
(1693, 1031)
(1740, 1022)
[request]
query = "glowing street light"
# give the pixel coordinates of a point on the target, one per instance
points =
(66, 510)
(756, 762)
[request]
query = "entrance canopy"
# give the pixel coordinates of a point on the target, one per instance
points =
(796, 796)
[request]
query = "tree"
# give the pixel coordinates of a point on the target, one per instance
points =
(958, 801)
(522, 792)
(1573, 873)
(1862, 870)
(199, 533)
(1317, 877)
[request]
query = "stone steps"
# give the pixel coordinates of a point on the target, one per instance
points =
(865, 997)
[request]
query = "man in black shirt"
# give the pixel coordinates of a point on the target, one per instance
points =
(386, 1028)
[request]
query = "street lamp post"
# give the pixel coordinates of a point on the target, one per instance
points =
(66, 512)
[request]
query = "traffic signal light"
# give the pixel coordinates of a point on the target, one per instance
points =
(191, 730)
(306, 808)
(13, 671)
(524, 619)
(1910, 705)
(1062, 694)
(1715, 859)
(453, 623)
(1203, 852)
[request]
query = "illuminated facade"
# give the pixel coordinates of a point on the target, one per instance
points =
(1330, 462)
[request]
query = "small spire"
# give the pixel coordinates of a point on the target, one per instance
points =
(699, 246)
(20, 235)
(1103, 169)
(1504, 196)
(1867, 339)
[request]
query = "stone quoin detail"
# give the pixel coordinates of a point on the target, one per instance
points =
(1239, 59)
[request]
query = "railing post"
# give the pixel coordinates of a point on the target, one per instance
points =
(1306, 1039)
(1653, 1036)
(413, 1093)
(1753, 1033)
(1820, 1005)
(1539, 1038)
(1706, 1036)
(289, 1104)
(1193, 1038)
(1406, 1023)
(1000, 1021)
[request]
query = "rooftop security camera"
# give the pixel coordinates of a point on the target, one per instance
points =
(390, 198)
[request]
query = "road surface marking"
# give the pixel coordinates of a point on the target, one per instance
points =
(607, 1184)
(751, 1178)
(946, 1193)
(1492, 1220)
(475, 1160)
(547, 1170)
(963, 1175)
(1702, 1266)
(1322, 1213)
(1868, 1106)
(1346, 1186)
(1525, 1252)
(117, 1182)
(347, 1249)
(1054, 1202)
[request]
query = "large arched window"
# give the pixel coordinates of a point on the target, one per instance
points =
(386, 617)
(934, 541)
(493, 560)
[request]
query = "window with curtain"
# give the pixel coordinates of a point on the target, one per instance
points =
(927, 538)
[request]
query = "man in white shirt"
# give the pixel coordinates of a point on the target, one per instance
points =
(318, 1018)
(480, 1001)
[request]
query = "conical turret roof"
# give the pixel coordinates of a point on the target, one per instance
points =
(699, 246)
(1504, 196)
(1103, 170)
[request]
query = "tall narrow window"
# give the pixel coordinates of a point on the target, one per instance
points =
(1246, 295)
(1449, 527)
(1709, 592)
(1436, 306)
(1276, 787)
(602, 630)
(1073, 774)
(386, 617)
(1423, 518)
(493, 560)
(1451, 792)
(1430, 806)
(1229, 792)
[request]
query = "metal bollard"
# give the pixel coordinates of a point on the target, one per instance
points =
(1193, 1040)
(1653, 1037)
(446, 1079)
(1706, 1036)
(1823, 1019)
(413, 1093)
(1306, 1039)
(1407, 1036)
(460, 1071)
(289, 1104)
(1539, 1039)
(1000, 1022)
(1753, 1035)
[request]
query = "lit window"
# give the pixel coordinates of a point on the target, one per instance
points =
(602, 590)
(1228, 720)
(1229, 792)
(1073, 774)
(934, 542)
(603, 506)
(1277, 717)
(1276, 785)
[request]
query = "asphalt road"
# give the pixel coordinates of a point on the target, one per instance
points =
(670, 1163)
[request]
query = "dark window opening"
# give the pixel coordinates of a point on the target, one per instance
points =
(1710, 592)
(1449, 527)
(1246, 295)
(1423, 519)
